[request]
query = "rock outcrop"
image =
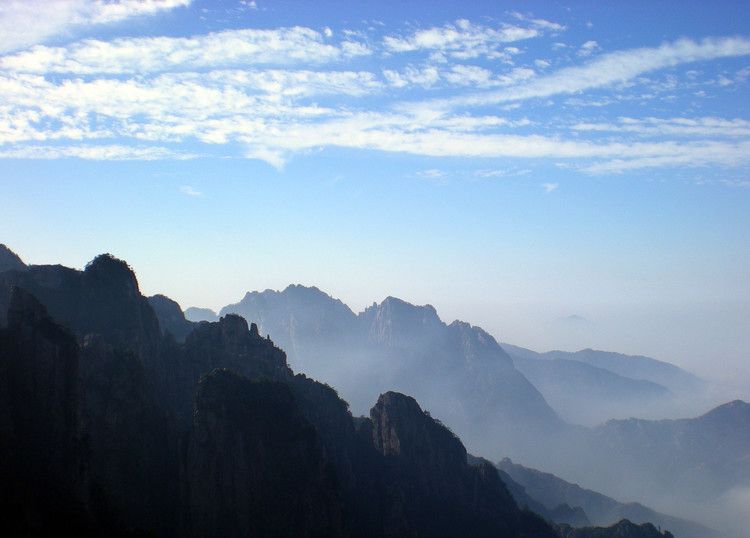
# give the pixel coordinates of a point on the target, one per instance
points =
(622, 529)
(109, 426)
(254, 464)
(9, 260)
(44, 474)
(171, 318)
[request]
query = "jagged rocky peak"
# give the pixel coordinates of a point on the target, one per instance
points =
(111, 272)
(401, 428)
(254, 464)
(24, 308)
(9, 260)
(200, 314)
(394, 321)
(734, 412)
(622, 529)
(171, 317)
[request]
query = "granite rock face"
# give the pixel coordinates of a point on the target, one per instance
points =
(44, 474)
(622, 529)
(171, 318)
(255, 466)
(109, 426)
(9, 260)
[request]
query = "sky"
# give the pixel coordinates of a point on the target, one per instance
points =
(563, 174)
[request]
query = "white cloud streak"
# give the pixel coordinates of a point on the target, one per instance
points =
(279, 92)
(611, 68)
(28, 22)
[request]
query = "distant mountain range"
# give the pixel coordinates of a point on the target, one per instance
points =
(552, 492)
(589, 386)
(457, 371)
(140, 361)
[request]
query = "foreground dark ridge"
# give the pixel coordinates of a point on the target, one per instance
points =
(109, 426)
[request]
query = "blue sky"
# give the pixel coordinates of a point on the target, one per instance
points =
(511, 163)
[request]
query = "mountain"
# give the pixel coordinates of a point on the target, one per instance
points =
(586, 394)
(9, 260)
(109, 426)
(551, 491)
(589, 387)
(142, 448)
(461, 374)
(457, 371)
(171, 318)
(200, 314)
(686, 460)
(636, 367)
(621, 529)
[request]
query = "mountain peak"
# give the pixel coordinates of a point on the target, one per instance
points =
(108, 270)
(9, 260)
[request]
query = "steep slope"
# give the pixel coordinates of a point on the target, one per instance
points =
(171, 318)
(588, 395)
(44, 474)
(458, 371)
(200, 314)
(601, 510)
(261, 451)
(589, 387)
(9, 260)
(254, 465)
(434, 491)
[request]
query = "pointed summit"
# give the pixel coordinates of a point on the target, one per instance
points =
(9, 260)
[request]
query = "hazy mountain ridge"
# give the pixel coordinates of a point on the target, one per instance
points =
(9, 260)
(457, 371)
(156, 470)
(408, 348)
(200, 314)
(105, 299)
(601, 510)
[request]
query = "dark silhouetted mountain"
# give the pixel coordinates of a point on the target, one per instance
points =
(44, 476)
(458, 371)
(255, 465)
(200, 314)
(622, 529)
(170, 317)
(9, 260)
(97, 436)
(551, 492)
(434, 491)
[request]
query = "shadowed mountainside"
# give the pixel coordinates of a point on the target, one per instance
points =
(95, 414)
(551, 492)
(458, 371)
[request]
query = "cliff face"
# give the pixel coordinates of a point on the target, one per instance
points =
(44, 480)
(171, 318)
(117, 428)
(622, 529)
(254, 465)
(432, 489)
(9, 260)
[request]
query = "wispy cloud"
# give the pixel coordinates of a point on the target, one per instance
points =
(221, 50)
(278, 92)
(465, 40)
(190, 191)
(611, 68)
(549, 187)
(28, 22)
